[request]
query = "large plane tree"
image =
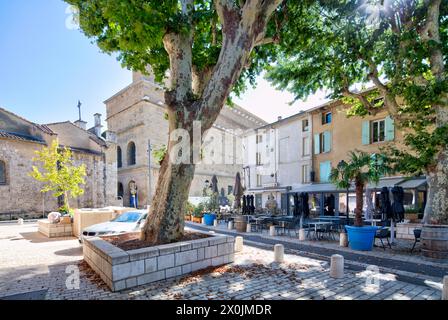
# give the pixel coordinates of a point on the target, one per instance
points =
(209, 48)
(398, 47)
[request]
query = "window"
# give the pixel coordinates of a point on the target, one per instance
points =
(322, 142)
(258, 159)
(305, 174)
(259, 138)
(119, 158)
(378, 130)
(2, 172)
(305, 125)
(326, 117)
(258, 180)
(131, 154)
(306, 146)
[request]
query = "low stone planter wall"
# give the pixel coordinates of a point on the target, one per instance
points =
(406, 230)
(52, 230)
(126, 269)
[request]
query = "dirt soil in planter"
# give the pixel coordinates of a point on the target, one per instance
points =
(131, 241)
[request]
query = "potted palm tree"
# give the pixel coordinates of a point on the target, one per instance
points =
(361, 169)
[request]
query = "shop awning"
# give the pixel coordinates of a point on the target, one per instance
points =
(413, 183)
(317, 188)
(386, 182)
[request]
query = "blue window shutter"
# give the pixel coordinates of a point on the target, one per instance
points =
(366, 132)
(316, 143)
(390, 128)
(324, 171)
(327, 141)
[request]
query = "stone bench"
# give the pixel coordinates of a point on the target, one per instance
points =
(55, 230)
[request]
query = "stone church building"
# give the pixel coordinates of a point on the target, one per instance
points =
(20, 138)
(136, 115)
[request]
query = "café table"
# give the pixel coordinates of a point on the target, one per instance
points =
(316, 224)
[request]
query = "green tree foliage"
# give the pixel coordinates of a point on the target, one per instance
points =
(398, 47)
(58, 172)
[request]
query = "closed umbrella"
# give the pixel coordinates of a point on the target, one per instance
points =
(215, 184)
(252, 204)
(238, 191)
(244, 211)
(397, 206)
(386, 210)
(297, 208)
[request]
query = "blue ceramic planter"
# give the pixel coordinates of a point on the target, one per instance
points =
(209, 218)
(361, 238)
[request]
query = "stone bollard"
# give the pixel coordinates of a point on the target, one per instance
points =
(239, 244)
(272, 231)
(445, 288)
(249, 228)
(215, 223)
(279, 252)
(230, 225)
(302, 235)
(20, 221)
(343, 241)
(337, 266)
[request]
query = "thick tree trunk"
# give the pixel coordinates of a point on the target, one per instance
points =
(436, 210)
(166, 222)
(359, 190)
(242, 29)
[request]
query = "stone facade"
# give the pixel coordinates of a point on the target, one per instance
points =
(19, 139)
(127, 269)
(136, 115)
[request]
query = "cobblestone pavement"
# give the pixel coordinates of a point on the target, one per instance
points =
(30, 262)
(399, 258)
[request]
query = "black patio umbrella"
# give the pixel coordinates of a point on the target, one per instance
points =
(386, 209)
(215, 184)
(397, 206)
(238, 191)
(252, 205)
(244, 209)
(297, 205)
(305, 209)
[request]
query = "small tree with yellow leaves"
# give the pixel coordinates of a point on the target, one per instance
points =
(59, 173)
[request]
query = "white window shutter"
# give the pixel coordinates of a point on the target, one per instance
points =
(316, 143)
(390, 129)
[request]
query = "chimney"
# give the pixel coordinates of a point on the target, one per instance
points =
(98, 125)
(81, 124)
(279, 118)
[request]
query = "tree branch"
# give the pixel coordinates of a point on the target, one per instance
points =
(179, 49)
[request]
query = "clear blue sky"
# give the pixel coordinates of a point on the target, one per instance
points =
(46, 67)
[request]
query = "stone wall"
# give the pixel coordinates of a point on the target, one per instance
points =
(21, 194)
(127, 269)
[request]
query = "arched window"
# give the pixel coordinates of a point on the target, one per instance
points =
(2, 172)
(131, 154)
(119, 158)
(120, 192)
